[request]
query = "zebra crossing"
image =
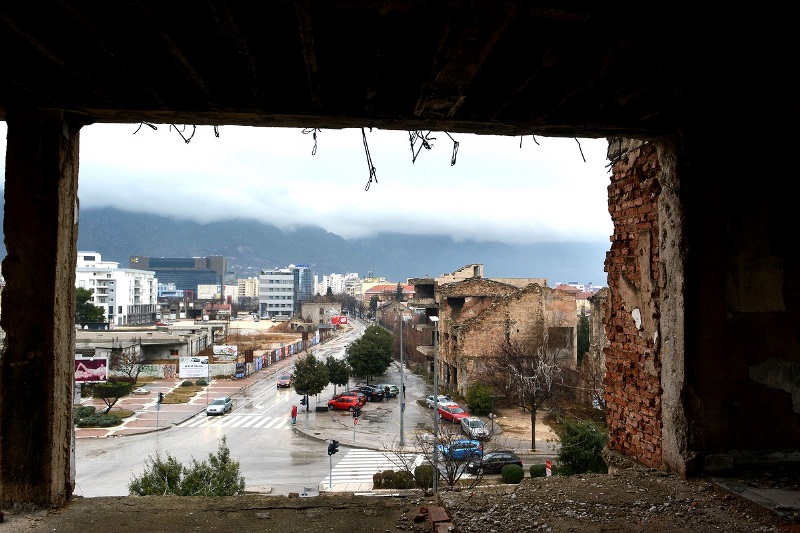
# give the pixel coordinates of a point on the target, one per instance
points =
(254, 421)
(355, 470)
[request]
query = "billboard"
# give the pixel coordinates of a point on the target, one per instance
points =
(225, 352)
(193, 367)
(91, 369)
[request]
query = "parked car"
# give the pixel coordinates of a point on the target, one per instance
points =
(285, 381)
(474, 427)
(442, 399)
(493, 462)
(461, 449)
(362, 398)
(343, 403)
(160, 323)
(452, 412)
(373, 394)
(219, 406)
(393, 390)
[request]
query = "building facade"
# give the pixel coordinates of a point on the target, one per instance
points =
(185, 272)
(128, 296)
(276, 293)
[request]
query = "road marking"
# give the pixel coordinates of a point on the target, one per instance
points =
(359, 465)
(243, 421)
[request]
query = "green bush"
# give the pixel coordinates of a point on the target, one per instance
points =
(538, 470)
(201, 382)
(187, 383)
(82, 411)
(423, 475)
(512, 474)
(99, 421)
(217, 477)
(390, 479)
(581, 449)
(480, 399)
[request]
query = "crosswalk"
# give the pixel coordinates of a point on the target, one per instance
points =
(254, 421)
(355, 470)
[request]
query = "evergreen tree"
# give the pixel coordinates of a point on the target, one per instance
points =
(583, 335)
(85, 311)
(310, 376)
(371, 354)
(338, 371)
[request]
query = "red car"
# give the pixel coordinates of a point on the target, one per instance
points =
(452, 412)
(362, 398)
(343, 403)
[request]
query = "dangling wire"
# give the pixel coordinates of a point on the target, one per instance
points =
(534, 140)
(455, 150)
(372, 171)
(424, 143)
(216, 132)
(180, 132)
(313, 132)
(581, 149)
(144, 124)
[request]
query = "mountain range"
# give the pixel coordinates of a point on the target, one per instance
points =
(251, 246)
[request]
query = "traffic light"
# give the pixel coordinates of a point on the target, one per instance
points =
(160, 397)
(333, 447)
(303, 400)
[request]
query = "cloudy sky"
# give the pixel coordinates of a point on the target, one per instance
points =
(497, 190)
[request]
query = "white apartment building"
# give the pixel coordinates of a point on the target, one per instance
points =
(276, 293)
(338, 283)
(128, 297)
(247, 288)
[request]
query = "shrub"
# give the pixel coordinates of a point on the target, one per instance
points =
(480, 399)
(390, 479)
(201, 382)
(423, 475)
(82, 411)
(217, 477)
(581, 449)
(187, 383)
(538, 470)
(512, 474)
(99, 421)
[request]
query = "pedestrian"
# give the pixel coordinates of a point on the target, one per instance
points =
(294, 414)
(386, 392)
(404, 390)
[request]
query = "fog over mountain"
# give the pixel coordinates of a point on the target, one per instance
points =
(252, 246)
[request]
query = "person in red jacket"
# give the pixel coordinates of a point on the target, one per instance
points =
(294, 414)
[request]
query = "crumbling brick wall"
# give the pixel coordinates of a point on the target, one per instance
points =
(633, 366)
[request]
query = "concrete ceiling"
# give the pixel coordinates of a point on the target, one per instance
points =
(584, 69)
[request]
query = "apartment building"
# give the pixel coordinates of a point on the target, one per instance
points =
(128, 296)
(276, 293)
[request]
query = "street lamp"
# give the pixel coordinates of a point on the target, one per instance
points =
(402, 384)
(435, 320)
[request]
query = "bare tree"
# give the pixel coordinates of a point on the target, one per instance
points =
(128, 361)
(528, 368)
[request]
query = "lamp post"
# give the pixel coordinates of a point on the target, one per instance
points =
(402, 383)
(435, 320)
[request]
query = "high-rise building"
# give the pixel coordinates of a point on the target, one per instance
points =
(281, 291)
(128, 296)
(185, 272)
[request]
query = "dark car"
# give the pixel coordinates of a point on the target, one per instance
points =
(373, 394)
(285, 381)
(493, 462)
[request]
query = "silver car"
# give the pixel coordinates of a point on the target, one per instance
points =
(219, 406)
(475, 428)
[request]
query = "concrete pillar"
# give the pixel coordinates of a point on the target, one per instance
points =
(36, 368)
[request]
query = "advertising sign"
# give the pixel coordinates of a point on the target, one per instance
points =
(193, 367)
(225, 352)
(91, 369)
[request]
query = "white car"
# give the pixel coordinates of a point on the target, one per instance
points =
(443, 399)
(475, 428)
(219, 406)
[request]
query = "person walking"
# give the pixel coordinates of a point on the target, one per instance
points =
(294, 415)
